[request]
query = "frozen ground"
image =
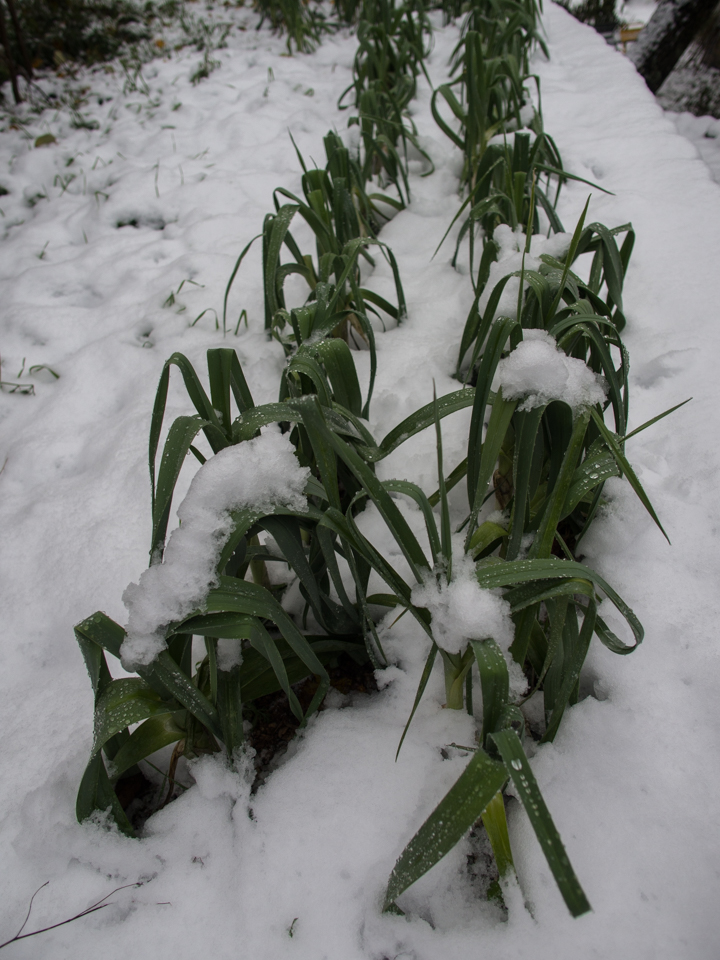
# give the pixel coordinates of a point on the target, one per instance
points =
(632, 778)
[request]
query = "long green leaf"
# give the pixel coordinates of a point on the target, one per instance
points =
(625, 467)
(96, 795)
(449, 821)
(152, 735)
(528, 791)
(122, 703)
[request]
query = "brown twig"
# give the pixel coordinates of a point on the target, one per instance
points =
(99, 905)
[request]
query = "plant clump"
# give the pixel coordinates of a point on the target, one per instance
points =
(502, 594)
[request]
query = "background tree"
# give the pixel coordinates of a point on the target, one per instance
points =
(667, 35)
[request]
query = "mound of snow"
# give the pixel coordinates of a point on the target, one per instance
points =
(539, 372)
(256, 475)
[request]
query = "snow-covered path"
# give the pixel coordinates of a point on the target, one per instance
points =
(631, 780)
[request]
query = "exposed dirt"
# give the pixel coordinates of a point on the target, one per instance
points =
(273, 727)
(274, 724)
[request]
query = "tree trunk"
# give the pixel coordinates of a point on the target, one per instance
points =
(9, 59)
(669, 32)
(708, 41)
(24, 58)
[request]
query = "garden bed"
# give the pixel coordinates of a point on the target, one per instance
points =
(299, 866)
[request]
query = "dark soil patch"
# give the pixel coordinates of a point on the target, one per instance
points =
(274, 724)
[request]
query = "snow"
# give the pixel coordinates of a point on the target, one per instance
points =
(537, 372)
(704, 134)
(630, 779)
(511, 258)
(462, 610)
(637, 11)
(255, 476)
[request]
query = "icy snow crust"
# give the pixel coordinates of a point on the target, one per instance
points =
(630, 780)
(256, 475)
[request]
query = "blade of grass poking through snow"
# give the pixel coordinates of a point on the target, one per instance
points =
(226, 375)
(494, 683)
(424, 680)
(513, 573)
(253, 600)
(625, 467)
(163, 675)
(568, 260)
(447, 824)
(415, 493)
(572, 666)
(526, 250)
(495, 823)
(543, 542)
(181, 433)
(419, 421)
(275, 229)
(660, 416)
(150, 736)
(445, 533)
(502, 412)
(528, 791)
(527, 425)
(124, 702)
(97, 793)
(499, 332)
(396, 523)
(179, 440)
(232, 280)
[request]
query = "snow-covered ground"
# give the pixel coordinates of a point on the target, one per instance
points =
(299, 869)
(704, 133)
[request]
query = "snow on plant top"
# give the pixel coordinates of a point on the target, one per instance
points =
(539, 372)
(257, 475)
(462, 610)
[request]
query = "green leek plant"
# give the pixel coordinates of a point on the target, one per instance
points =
(303, 24)
(508, 183)
(339, 213)
(526, 584)
(201, 711)
(506, 26)
(586, 316)
(492, 94)
(515, 180)
(393, 41)
(547, 466)
(392, 44)
(554, 605)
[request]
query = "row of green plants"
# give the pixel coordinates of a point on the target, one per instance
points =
(544, 466)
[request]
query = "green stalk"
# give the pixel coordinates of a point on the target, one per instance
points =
(495, 822)
(456, 668)
(258, 568)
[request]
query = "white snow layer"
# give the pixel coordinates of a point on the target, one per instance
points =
(537, 371)
(256, 475)
(630, 779)
(462, 610)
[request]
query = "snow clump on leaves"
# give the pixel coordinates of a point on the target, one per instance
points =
(539, 372)
(256, 475)
(462, 610)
